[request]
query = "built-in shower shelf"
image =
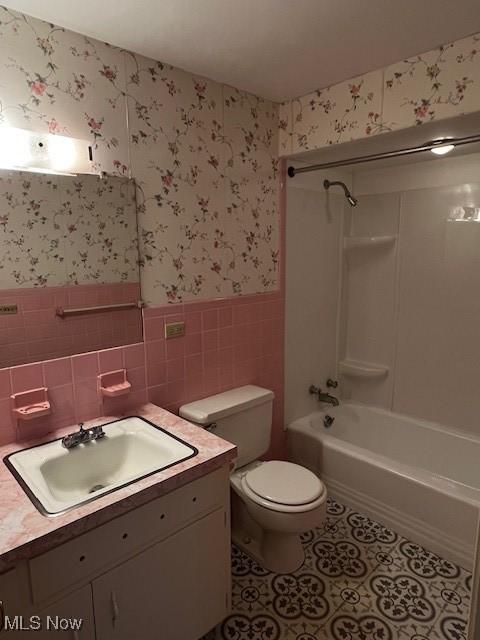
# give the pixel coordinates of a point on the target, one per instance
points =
(358, 242)
(357, 369)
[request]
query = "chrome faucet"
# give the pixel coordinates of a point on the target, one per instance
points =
(323, 396)
(82, 436)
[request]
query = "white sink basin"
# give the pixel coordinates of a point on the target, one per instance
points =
(57, 479)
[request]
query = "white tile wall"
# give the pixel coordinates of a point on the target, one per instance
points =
(313, 233)
(369, 296)
(414, 307)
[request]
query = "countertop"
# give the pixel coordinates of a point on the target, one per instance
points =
(24, 532)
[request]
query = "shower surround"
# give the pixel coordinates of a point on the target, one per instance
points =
(407, 305)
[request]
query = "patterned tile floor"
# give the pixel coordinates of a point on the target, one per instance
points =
(360, 581)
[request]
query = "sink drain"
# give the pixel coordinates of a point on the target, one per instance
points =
(97, 487)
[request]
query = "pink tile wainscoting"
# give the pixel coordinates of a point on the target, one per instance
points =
(72, 389)
(228, 343)
(36, 333)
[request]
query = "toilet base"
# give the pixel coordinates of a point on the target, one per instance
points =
(279, 553)
(274, 550)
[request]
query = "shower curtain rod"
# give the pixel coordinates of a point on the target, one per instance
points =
(428, 146)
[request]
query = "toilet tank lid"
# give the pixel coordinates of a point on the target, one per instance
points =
(224, 404)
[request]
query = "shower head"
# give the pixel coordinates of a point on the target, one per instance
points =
(351, 200)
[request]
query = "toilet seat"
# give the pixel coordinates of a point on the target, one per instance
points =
(283, 486)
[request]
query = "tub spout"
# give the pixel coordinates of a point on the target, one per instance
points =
(327, 397)
(323, 396)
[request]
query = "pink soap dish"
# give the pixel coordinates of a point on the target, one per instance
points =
(31, 404)
(114, 383)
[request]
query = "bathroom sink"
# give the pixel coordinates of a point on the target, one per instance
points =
(57, 479)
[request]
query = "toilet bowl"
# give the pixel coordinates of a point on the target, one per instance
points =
(272, 502)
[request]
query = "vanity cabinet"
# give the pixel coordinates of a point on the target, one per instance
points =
(175, 590)
(160, 570)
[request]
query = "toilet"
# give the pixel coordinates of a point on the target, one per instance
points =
(272, 502)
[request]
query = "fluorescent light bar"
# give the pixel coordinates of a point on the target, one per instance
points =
(25, 150)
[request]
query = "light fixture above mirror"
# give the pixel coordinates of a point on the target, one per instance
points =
(21, 149)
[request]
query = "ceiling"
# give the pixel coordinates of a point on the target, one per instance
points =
(277, 49)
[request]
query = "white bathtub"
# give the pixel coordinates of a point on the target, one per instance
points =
(416, 477)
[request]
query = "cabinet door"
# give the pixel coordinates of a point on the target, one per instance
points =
(176, 590)
(70, 619)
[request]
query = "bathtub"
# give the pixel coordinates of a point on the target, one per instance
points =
(416, 477)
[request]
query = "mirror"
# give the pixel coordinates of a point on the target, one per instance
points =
(69, 265)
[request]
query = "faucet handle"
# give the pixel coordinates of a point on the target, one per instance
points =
(332, 384)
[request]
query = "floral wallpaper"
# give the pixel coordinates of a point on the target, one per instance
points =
(439, 84)
(57, 81)
(285, 127)
(204, 155)
(346, 111)
(62, 230)
(99, 222)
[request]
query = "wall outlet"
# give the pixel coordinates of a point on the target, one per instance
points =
(174, 330)
(8, 309)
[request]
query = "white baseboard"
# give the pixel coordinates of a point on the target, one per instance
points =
(448, 547)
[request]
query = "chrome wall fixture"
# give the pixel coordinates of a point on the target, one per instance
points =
(64, 313)
(337, 183)
(428, 146)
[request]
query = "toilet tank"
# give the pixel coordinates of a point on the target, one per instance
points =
(243, 416)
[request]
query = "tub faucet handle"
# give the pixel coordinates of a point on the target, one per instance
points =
(332, 384)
